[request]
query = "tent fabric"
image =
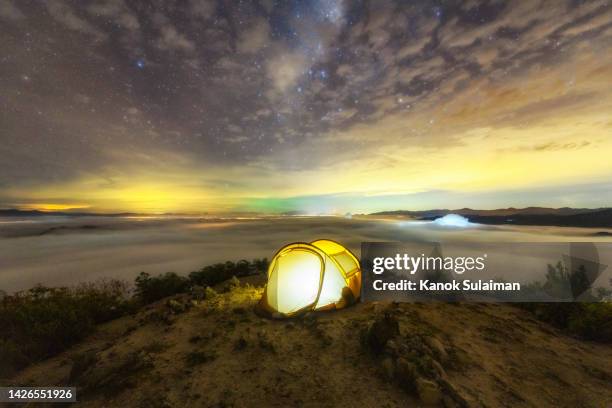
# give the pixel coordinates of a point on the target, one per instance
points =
(322, 275)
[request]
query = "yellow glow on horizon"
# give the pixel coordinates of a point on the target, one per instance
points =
(533, 131)
(54, 207)
(562, 151)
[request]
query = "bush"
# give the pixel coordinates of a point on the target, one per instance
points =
(592, 321)
(43, 321)
(214, 274)
(153, 288)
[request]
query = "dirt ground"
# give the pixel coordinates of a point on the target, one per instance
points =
(216, 352)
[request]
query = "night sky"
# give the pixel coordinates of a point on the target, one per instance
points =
(315, 106)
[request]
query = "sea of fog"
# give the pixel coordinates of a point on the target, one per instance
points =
(58, 251)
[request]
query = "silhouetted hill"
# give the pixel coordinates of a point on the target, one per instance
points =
(599, 219)
(496, 212)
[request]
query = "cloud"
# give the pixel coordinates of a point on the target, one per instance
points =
(202, 8)
(381, 95)
(285, 69)
(118, 10)
(10, 11)
(64, 14)
(255, 38)
(172, 40)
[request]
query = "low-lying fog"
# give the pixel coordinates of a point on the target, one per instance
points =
(59, 251)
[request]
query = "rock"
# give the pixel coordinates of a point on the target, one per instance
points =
(428, 391)
(453, 393)
(309, 319)
(378, 307)
(381, 331)
(388, 368)
(437, 348)
(175, 306)
(440, 372)
(406, 372)
(392, 348)
(347, 298)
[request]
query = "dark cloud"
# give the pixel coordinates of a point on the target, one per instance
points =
(259, 83)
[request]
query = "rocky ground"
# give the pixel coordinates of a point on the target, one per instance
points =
(210, 349)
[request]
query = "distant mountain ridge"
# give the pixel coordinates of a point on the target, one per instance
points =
(564, 217)
(13, 212)
(496, 212)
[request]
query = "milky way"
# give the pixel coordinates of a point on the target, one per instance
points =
(313, 106)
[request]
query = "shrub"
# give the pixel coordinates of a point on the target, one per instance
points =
(209, 293)
(233, 282)
(214, 274)
(44, 321)
(152, 288)
(592, 321)
(105, 300)
(562, 283)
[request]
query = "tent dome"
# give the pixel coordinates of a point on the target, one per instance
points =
(321, 275)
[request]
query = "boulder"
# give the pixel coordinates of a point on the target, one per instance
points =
(437, 348)
(392, 348)
(451, 391)
(429, 392)
(388, 368)
(440, 372)
(406, 373)
(381, 331)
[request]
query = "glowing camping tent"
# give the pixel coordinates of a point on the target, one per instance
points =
(317, 276)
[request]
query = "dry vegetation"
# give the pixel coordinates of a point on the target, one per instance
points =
(208, 348)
